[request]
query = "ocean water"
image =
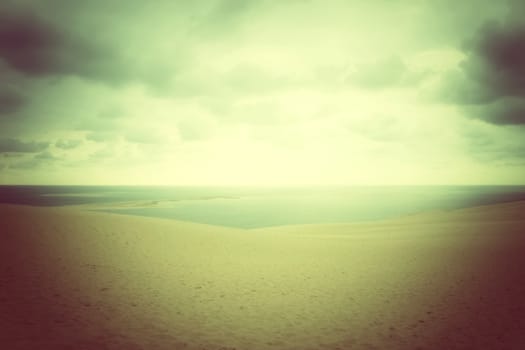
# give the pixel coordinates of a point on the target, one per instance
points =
(260, 207)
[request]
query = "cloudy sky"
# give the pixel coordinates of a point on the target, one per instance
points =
(262, 92)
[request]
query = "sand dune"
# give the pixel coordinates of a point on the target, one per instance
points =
(72, 279)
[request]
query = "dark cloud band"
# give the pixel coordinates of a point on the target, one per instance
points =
(15, 145)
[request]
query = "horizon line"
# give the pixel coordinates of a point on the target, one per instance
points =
(263, 186)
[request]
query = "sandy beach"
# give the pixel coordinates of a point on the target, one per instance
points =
(75, 279)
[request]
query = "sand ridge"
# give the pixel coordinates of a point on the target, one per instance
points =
(73, 279)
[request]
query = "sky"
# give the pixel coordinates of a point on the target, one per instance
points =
(261, 92)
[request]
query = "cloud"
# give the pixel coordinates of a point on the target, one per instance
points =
(491, 81)
(491, 144)
(38, 43)
(497, 60)
(24, 155)
(193, 129)
(249, 78)
(379, 74)
(10, 101)
(104, 125)
(39, 160)
(102, 154)
(143, 136)
(176, 85)
(68, 144)
(15, 145)
(102, 136)
(223, 16)
(38, 47)
(46, 155)
(28, 44)
(503, 111)
(25, 164)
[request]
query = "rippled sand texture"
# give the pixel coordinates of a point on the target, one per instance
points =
(71, 279)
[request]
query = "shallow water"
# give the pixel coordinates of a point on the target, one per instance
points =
(259, 207)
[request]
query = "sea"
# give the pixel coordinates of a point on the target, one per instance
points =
(254, 207)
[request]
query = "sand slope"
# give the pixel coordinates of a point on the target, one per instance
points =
(71, 279)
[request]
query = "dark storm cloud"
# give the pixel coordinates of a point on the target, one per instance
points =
(497, 60)
(39, 45)
(29, 44)
(492, 78)
(15, 145)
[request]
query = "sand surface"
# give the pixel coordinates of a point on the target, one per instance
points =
(73, 279)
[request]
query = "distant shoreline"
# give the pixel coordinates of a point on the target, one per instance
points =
(255, 208)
